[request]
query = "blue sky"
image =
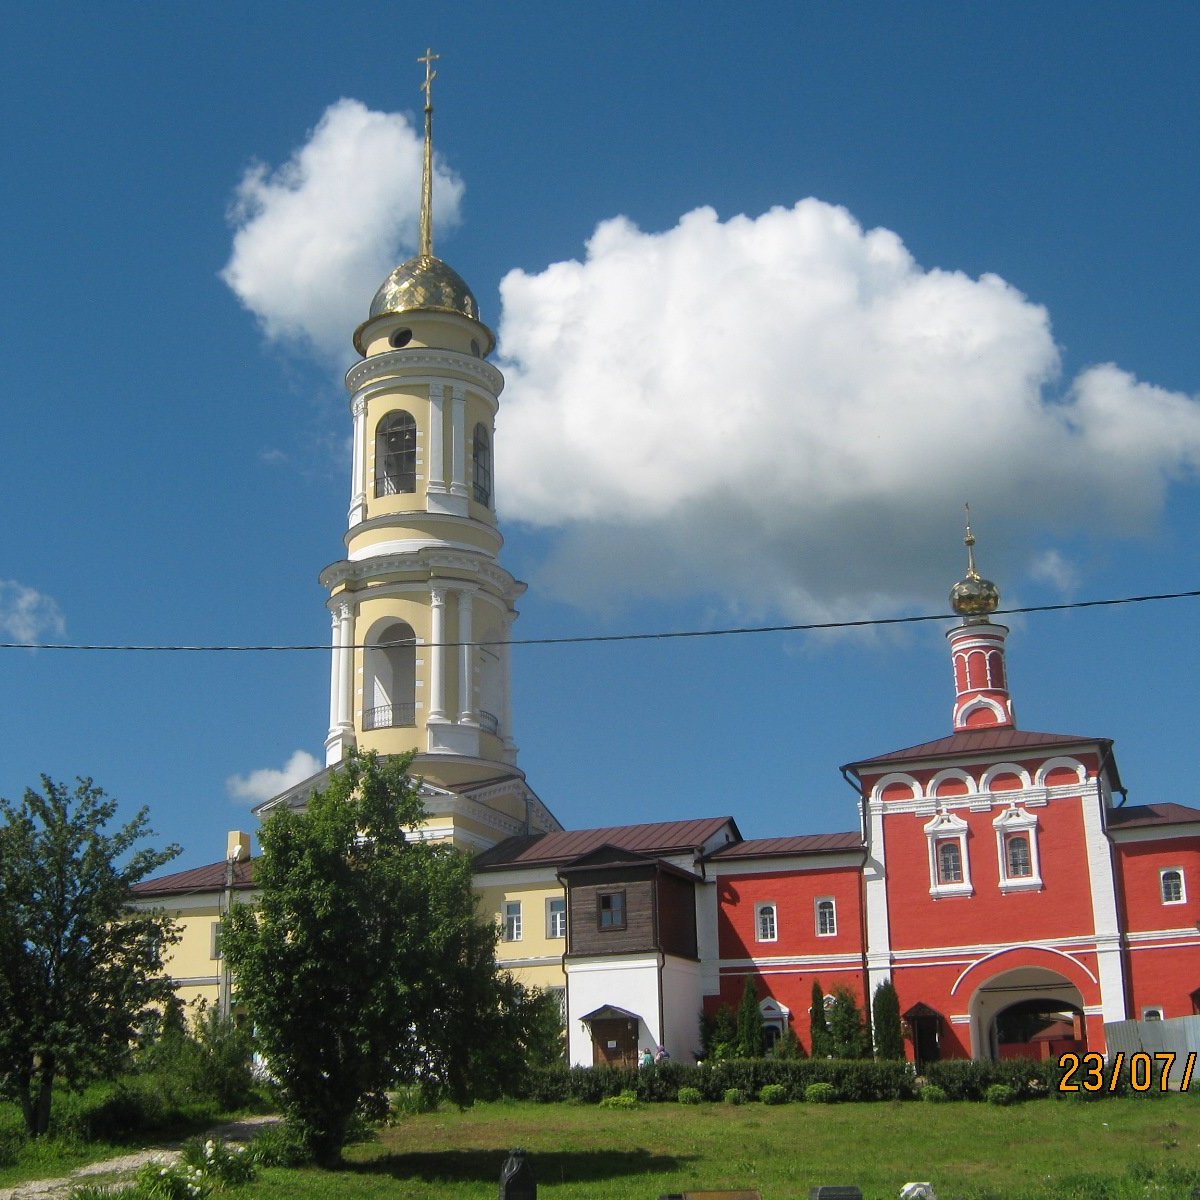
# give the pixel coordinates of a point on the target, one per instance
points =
(899, 256)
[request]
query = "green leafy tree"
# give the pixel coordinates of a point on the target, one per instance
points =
(885, 1009)
(80, 971)
(789, 1047)
(822, 1041)
(751, 1037)
(365, 963)
(719, 1033)
(847, 1027)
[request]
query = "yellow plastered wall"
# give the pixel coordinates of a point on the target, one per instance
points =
(534, 958)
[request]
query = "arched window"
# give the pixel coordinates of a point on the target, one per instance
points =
(826, 917)
(949, 862)
(481, 459)
(1020, 862)
(396, 454)
(390, 698)
(1171, 883)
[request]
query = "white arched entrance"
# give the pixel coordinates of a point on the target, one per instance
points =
(1032, 988)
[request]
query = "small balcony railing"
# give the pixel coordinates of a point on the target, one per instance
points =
(488, 722)
(389, 716)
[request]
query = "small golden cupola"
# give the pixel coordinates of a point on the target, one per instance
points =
(981, 696)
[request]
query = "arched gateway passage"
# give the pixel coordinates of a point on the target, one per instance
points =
(1027, 1012)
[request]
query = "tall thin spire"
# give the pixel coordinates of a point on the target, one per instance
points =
(426, 248)
(969, 540)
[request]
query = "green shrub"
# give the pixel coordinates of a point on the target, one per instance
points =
(734, 1095)
(156, 1182)
(1002, 1094)
(627, 1099)
(222, 1163)
(820, 1093)
(932, 1094)
(773, 1093)
(12, 1138)
(279, 1146)
(689, 1095)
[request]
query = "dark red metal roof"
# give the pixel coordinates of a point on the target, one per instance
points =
(555, 849)
(210, 878)
(1152, 814)
(978, 741)
(782, 847)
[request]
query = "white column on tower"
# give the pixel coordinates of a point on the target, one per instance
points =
(333, 745)
(437, 655)
(458, 442)
(506, 729)
(345, 614)
(466, 658)
(358, 483)
(437, 421)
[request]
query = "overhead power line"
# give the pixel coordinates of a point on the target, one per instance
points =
(583, 639)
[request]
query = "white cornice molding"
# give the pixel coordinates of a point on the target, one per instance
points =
(396, 365)
(434, 558)
(824, 861)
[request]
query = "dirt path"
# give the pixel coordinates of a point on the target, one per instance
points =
(118, 1170)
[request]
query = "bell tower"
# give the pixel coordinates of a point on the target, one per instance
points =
(422, 609)
(981, 696)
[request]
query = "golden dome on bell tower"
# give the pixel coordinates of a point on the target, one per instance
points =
(973, 597)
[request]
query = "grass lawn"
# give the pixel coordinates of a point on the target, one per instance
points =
(1065, 1150)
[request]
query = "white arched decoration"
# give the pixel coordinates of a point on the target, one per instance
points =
(1005, 768)
(895, 780)
(952, 774)
(984, 704)
(1060, 764)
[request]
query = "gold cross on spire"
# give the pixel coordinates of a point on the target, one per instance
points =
(430, 75)
(426, 247)
(972, 572)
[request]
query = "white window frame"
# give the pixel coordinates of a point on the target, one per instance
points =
(513, 924)
(556, 918)
(1014, 821)
(1153, 1013)
(831, 932)
(214, 951)
(946, 827)
(1162, 885)
(766, 911)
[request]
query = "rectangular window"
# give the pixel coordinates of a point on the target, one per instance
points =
(612, 910)
(215, 945)
(512, 920)
(949, 862)
(765, 923)
(556, 917)
(1019, 863)
(1170, 881)
(826, 917)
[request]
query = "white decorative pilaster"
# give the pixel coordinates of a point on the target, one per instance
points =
(341, 678)
(506, 679)
(437, 426)
(458, 442)
(358, 485)
(437, 655)
(345, 614)
(466, 659)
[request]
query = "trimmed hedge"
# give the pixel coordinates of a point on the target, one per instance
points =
(850, 1080)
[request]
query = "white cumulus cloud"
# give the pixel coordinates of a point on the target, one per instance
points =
(267, 783)
(27, 615)
(316, 236)
(786, 413)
